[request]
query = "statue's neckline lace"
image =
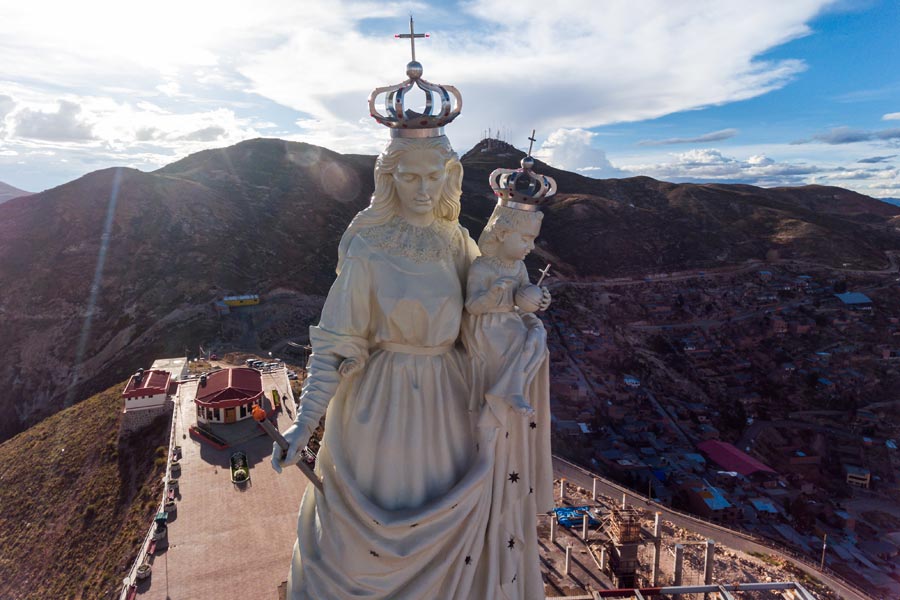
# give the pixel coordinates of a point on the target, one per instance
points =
(420, 244)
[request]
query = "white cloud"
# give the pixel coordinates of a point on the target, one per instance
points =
(849, 135)
(662, 65)
(709, 164)
(573, 150)
(713, 136)
(891, 117)
(791, 168)
(212, 68)
(662, 59)
(66, 124)
(6, 105)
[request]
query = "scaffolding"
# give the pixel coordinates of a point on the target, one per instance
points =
(623, 526)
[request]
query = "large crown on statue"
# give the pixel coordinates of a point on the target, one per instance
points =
(443, 103)
(522, 188)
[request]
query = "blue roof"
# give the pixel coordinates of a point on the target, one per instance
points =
(854, 298)
(714, 498)
(763, 505)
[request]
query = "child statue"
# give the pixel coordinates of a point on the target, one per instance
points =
(510, 380)
(499, 293)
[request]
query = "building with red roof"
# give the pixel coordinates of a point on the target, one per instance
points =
(732, 459)
(146, 390)
(228, 395)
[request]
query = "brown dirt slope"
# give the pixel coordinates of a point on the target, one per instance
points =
(76, 501)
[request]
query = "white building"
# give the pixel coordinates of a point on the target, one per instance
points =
(146, 390)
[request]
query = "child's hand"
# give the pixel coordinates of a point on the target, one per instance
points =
(545, 298)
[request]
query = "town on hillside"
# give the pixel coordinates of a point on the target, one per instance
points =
(761, 397)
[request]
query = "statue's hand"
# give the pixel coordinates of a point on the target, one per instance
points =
(501, 285)
(298, 437)
(520, 405)
(545, 298)
(349, 366)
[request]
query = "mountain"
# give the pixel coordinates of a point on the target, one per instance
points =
(256, 217)
(119, 267)
(77, 499)
(894, 201)
(8, 192)
(613, 227)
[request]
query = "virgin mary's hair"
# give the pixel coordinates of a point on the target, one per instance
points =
(503, 220)
(384, 204)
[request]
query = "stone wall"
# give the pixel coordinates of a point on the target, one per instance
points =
(138, 419)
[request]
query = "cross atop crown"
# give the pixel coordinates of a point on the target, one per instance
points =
(412, 35)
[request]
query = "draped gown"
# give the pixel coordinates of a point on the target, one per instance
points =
(408, 469)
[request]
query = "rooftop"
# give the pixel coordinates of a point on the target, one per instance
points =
(150, 383)
(229, 387)
(731, 459)
(854, 298)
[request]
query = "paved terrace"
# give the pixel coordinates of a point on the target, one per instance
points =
(226, 541)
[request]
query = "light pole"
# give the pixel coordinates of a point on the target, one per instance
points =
(824, 545)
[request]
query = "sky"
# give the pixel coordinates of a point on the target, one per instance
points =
(769, 92)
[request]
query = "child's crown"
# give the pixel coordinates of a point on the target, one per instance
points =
(522, 188)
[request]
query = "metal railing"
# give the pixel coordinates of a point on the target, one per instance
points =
(145, 544)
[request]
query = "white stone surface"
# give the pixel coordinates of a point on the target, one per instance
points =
(430, 488)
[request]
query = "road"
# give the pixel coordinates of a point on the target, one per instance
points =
(722, 535)
(749, 265)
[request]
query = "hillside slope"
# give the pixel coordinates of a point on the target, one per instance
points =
(77, 501)
(119, 267)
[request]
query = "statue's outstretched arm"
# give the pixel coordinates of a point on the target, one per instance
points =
(340, 347)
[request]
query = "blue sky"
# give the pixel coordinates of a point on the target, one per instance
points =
(765, 92)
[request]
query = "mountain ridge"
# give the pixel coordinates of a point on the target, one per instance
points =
(264, 216)
(8, 192)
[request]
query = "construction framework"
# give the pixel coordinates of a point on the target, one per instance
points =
(719, 592)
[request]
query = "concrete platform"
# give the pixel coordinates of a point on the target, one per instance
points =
(226, 541)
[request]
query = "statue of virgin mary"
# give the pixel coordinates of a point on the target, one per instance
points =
(425, 496)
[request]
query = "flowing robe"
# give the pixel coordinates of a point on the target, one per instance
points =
(408, 469)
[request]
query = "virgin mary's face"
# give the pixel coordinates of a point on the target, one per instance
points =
(419, 180)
